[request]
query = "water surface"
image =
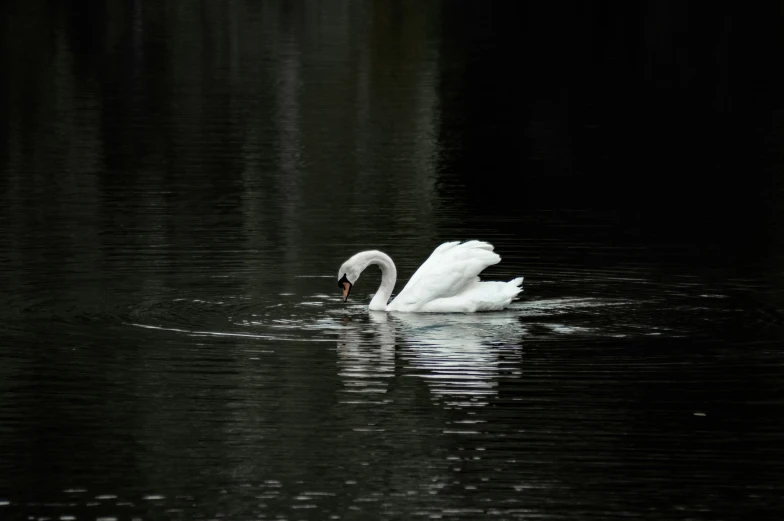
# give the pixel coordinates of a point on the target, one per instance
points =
(181, 182)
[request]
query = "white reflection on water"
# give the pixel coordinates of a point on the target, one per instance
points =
(462, 357)
(366, 355)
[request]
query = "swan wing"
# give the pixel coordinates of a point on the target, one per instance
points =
(449, 270)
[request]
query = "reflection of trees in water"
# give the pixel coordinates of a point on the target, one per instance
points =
(461, 357)
(281, 116)
(355, 92)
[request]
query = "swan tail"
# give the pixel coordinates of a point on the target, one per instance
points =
(492, 295)
(514, 287)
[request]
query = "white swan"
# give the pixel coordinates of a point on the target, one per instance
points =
(448, 281)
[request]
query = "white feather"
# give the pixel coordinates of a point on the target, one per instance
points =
(447, 282)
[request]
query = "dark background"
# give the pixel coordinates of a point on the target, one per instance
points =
(180, 180)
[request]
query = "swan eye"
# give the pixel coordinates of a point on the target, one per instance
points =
(342, 280)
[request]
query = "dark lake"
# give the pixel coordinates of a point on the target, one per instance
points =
(180, 182)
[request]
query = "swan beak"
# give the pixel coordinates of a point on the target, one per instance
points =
(346, 290)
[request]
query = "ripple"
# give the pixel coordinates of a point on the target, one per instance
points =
(629, 306)
(235, 317)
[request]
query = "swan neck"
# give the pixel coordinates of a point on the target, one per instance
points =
(388, 279)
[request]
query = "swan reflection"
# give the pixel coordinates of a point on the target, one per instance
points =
(366, 355)
(461, 356)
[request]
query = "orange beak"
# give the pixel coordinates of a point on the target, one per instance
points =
(346, 290)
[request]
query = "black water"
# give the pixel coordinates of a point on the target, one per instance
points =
(181, 181)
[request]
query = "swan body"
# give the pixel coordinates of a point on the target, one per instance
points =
(447, 282)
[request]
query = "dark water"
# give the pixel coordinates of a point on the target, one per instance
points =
(181, 181)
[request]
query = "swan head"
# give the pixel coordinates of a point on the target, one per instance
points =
(347, 276)
(351, 269)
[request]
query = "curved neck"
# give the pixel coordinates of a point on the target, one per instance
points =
(388, 278)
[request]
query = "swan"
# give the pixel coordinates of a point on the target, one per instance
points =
(447, 282)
